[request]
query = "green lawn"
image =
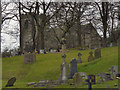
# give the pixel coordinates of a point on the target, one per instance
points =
(47, 66)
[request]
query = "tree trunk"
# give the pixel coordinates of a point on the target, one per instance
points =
(38, 41)
(21, 45)
(104, 20)
(0, 27)
(42, 39)
(33, 34)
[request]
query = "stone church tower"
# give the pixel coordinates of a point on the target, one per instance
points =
(89, 36)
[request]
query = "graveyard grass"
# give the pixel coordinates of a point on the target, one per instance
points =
(47, 66)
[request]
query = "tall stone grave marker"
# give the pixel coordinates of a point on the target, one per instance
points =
(29, 58)
(97, 53)
(79, 58)
(73, 68)
(90, 58)
(63, 76)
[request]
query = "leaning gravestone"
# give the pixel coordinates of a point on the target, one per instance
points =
(73, 68)
(90, 58)
(79, 58)
(29, 58)
(97, 53)
(11, 82)
(77, 79)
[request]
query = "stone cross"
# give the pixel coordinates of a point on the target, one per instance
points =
(90, 58)
(63, 45)
(63, 57)
(79, 58)
(73, 68)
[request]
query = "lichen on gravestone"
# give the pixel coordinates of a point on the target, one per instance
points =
(90, 58)
(77, 79)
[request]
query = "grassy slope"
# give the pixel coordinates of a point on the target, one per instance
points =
(47, 66)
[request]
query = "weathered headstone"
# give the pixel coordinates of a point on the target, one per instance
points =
(90, 58)
(79, 58)
(64, 72)
(105, 77)
(118, 75)
(77, 79)
(63, 57)
(111, 44)
(114, 71)
(83, 75)
(73, 68)
(41, 51)
(97, 53)
(31, 83)
(42, 83)
(64, 69)
(11, 82)
(29, 58)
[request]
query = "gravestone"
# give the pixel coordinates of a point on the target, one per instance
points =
(64, 69)
(114, 71)
(43, 83)
(97, 53)
(105, 77)
(31, 83)
(64, 72)
(41, 51)
(77, 79)
(118, 75)
(90, 58)
(11, 82)
(63, 57)
(111, 44)
(79, 58)
(29, 58)
(73, 68)
(83, 75)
